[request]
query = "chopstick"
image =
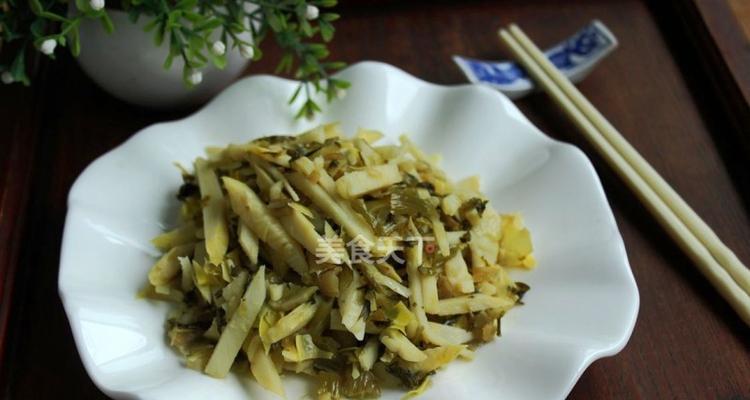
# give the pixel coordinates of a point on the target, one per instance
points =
(697, 226)
(715, 260)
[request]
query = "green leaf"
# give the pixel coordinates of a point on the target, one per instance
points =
(209, 24)
(52, 16)
(219, 62)
(296, 93)
(275, 21)
(285, 64)
(18, 68)
(334, 65)
(303, 111)
(330, 17)
(159, 36)
(257, 54)
(134, 14)
(236, 28)
(326, 30)
(197, 42)
(107, 23)
(36, 7)
(306, 28)
(318, 50)
(75, 43)
(197, 55)
(186, 76)
(186, 4)
(314, 106)
(151, 25)
(301, 10)
(194, 17)
(173, 19)
(309, 63)
(340, 84)
(37, 27)
(168, 61)
(82, 5)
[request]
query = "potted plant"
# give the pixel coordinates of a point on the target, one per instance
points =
(172, 52)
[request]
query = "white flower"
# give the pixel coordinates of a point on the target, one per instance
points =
(7, 77)
(48, 46)
(96, 5)
(195, 77)
(247, 51)
(218, 48)
(311, 12)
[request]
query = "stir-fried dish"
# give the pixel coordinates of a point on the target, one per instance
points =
(355, 262)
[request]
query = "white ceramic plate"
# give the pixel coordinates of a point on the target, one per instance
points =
(583, 300)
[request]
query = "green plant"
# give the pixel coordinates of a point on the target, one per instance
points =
(197, 31)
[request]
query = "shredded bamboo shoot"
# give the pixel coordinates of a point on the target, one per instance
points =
(358, 263)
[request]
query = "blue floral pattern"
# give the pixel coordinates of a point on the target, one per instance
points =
(579, 49)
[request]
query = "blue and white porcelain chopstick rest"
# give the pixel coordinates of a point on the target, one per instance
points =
(575, 58)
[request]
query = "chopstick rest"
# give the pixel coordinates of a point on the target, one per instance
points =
(575, 57)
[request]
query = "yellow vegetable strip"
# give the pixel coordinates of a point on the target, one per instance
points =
(368, 355)
(470, 303)
(485, 239)
(398, 343)
(377, 277)
(321, 319)
(278, 176)
(183, 234)
(347, 218)
(369, 156)
(351, 302)
(369, 136)
(442, 239)
(214, 214)
(303, 231)
(232, 293)
(264, 371)
(292, 322)
(239, 326)
(203, 288)
(249, 242)
(168, 266)
(357, 183)
(432, 332)
(429, 291)
(437, 357)
(254, 213)
(457, 274)
(263, 179)
(443, 335)
(186, 266)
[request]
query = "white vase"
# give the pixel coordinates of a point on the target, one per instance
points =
(128, 65)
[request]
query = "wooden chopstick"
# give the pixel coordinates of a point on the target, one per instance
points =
(591, 125)
(697, 226)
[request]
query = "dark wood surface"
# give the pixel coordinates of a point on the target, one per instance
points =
(715, 37)
(687, 343)
(728, 24)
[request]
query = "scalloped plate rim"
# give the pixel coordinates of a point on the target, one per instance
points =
(585, 361)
